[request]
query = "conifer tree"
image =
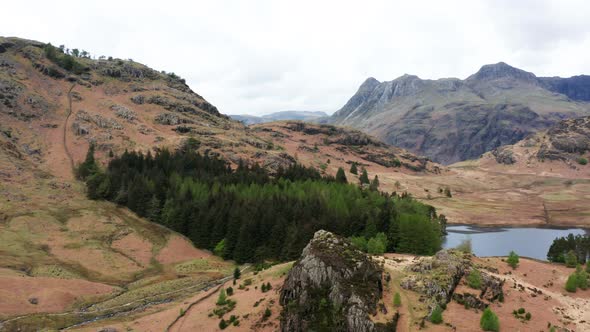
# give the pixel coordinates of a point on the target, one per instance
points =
(489, 321)
(513, 260)
(353, 169)
(375, 183)
(340, 176)
(364, 177)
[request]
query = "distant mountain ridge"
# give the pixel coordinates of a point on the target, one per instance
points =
(450, 119)
(280, 116)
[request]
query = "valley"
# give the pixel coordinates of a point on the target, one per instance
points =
(128, 202)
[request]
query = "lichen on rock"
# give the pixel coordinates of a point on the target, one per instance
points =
(332, 285)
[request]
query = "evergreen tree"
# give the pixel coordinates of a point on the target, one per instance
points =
(154, 209)
(489, 321)
(89, 166)
(513, 260)
(375, 183)
(340, 176)
(237, 273)
(353, 169)
(364, 179)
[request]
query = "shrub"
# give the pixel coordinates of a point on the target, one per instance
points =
(474, 279)
(521, 311)
(582, 279)
(397, 300)
(267, 314)
(360, 242)
(489, 321)
(448, 192)
(528, 316)
(237, 273)
(582, 161)
(436, 315)
(572, 283)
(571, 260)
(230, 291)
(222, 299)
(353, 169)
(222, 324)
(513, 259)
(378, 244)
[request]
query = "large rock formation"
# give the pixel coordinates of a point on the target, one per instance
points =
(332, 285)
(450, 119)
(437, 277)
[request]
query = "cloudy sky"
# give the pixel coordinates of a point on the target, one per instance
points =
(257, 57)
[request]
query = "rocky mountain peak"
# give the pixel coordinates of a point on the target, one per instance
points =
(333, 285)
(502, 70)
(369, 84)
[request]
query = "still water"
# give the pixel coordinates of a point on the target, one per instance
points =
(499, 241)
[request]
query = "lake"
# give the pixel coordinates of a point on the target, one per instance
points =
(499, 241)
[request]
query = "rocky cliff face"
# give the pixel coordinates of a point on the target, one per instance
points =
(450, 119)
(333, 285)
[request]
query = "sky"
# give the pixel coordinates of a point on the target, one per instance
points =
(258, 57)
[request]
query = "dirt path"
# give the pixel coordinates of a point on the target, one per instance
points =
(68, 153)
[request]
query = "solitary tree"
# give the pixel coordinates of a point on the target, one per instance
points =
(375, 183)
(340, 176)
(353, 169)
(237, 273)
(513, 260)
(364, 177)
(489, 321)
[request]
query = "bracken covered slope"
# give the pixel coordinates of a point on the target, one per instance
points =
(450, 120)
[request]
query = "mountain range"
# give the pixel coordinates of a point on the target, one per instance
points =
(451, 120)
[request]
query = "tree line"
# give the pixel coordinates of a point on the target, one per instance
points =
(578, 245)
(249, 216)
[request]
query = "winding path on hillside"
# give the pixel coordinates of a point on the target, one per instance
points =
(65, 129)
(128, 308)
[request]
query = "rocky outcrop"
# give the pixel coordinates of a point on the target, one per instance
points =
(566, 141)
(437, 277)
(331, 285)
(124, 113)
(504, 155)
(171, 119)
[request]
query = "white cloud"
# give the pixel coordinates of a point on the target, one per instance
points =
(262, 56)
